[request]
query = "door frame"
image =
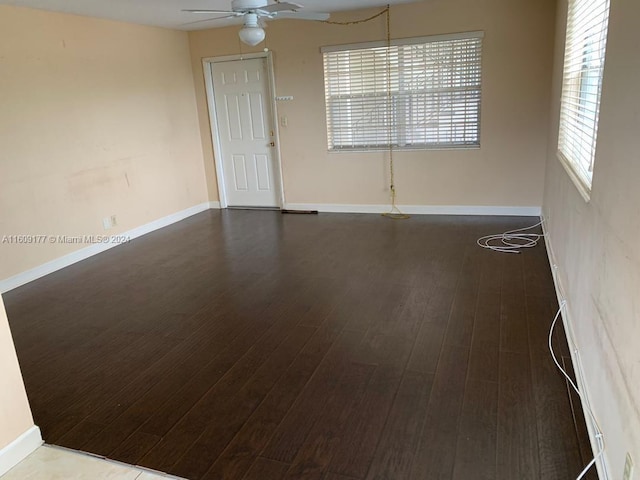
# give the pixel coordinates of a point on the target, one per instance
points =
(213, 123)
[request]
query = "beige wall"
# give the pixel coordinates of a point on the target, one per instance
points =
(509, 168)
(15, 414)
(96, 118)
(596, 244)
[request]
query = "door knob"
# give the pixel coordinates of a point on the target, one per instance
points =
(273, 144)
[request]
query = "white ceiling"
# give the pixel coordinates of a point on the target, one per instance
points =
(166, 13)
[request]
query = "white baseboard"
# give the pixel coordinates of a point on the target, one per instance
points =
(567, 321)
(74, 257)
(530, 211)
(19, 449)
(84, 253)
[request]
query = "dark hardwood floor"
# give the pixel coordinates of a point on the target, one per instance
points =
(255, 345)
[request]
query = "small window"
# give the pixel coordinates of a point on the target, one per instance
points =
(584, 56)
(416, 93)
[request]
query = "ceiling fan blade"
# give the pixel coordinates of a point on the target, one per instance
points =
(208, 19)
(229, 12)
(303, 15)
(281, 7)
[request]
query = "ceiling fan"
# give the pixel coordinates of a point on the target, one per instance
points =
(254, 11)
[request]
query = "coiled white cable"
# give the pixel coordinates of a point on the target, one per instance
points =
(598, 432)
(512, 241)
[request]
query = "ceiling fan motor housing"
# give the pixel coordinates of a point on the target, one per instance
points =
(242, 5)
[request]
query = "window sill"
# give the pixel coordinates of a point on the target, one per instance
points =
(401, 149)
(583, 188)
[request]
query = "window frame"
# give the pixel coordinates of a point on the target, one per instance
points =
(400, 43)
(575, 89)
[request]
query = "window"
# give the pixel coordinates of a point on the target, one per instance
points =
(581, 86)
(416, 93)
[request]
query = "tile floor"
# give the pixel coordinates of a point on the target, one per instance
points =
(54, 463)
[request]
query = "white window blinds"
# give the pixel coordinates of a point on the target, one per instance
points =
(584, 57)
(416, 93)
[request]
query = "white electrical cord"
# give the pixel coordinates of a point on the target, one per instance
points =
(598, 432)
(512, 241)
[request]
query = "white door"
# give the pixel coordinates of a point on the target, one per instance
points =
(243, 115)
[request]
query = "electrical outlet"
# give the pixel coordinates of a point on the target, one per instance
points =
(114, 221)
(628, 468)
(106, 223)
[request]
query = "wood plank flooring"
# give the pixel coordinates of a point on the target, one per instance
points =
(255, 345)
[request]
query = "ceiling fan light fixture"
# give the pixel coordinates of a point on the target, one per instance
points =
(251, 33)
